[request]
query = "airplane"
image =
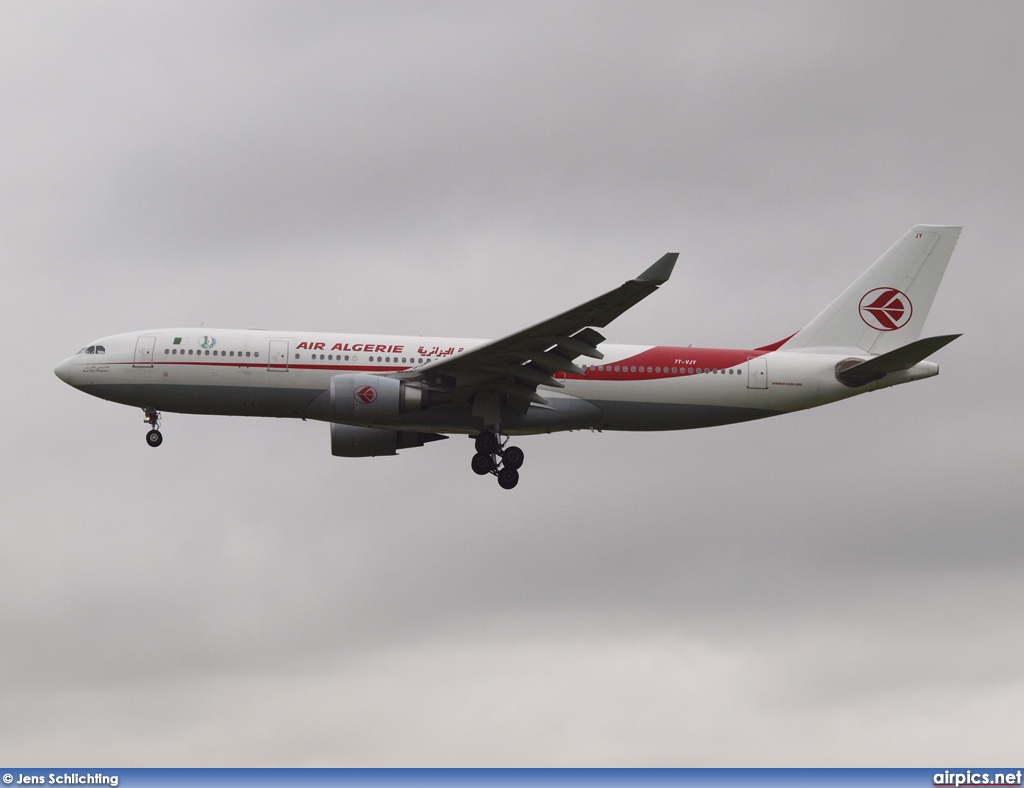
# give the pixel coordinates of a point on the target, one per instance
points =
(383, 394)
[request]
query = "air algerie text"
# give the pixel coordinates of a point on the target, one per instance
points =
(432, 352)
(356, 348)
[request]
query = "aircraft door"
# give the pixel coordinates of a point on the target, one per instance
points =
(277, 359)
(757, 373)
(144, 352)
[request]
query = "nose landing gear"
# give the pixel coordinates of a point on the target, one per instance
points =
(153, 437)
(494, 457)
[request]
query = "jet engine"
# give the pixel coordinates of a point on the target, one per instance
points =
(373, 398)
(349, 441)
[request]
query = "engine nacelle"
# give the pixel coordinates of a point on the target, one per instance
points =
(349, 441)
(373, 398)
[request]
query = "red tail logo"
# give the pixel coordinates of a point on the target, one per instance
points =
(886, 309)
(364, 395)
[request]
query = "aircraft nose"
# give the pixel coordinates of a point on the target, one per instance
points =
(63, 370)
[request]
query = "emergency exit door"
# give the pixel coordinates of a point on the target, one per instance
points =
(277, 359)
(757, 373)
(144, 352)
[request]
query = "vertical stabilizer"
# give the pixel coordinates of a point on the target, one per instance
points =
(887, 306)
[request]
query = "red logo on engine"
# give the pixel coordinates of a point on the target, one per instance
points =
(886, 309)
(364, 395)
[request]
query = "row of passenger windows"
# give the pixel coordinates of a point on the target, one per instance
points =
(382, 359)
(247, 354)
(660, 370)
(406, 360)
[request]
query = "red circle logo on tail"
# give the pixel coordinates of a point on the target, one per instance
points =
(364, 395)
(886, 309)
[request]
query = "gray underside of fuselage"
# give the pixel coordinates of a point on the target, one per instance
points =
(563, 413)
(659, 416)
(210, 400)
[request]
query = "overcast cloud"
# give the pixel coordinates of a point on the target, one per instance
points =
(836, 587)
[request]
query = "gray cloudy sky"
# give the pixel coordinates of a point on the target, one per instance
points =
(836, 587)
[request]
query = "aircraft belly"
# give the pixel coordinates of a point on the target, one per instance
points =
(653, 416)
(217, 400)
(560, 414)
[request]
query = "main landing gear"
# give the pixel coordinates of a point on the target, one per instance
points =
(153, 437)
(492, 456)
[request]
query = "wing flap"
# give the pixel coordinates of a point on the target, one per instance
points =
(521, 372)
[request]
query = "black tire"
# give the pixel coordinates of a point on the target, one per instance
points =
(508, 478)
(154, 438)
(486, 442)
(482, 464)
(513, 457)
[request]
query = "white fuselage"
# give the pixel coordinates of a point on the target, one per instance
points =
(288, 374)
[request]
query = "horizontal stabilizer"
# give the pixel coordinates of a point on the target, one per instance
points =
(896, 360)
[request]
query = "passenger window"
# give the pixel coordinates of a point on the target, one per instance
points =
(167, 351)
(256, 354)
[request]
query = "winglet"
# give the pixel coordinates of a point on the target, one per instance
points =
(661, 270)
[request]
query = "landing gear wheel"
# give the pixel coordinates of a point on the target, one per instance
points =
(482, 464)
(508, 478)
(513, 457)
(486, 442)
(154, 438)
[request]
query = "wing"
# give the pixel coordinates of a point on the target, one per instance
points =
(512, 367)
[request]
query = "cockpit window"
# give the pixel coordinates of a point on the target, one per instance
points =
(92, 349)
(100, 349)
